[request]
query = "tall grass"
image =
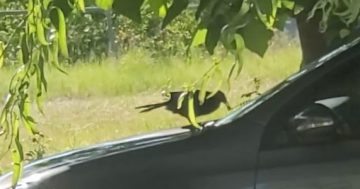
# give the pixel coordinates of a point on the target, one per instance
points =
(135, 72)
(138, 72)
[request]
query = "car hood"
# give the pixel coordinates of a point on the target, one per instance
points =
(56, 164)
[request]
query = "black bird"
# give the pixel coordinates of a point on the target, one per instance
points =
(210, 104)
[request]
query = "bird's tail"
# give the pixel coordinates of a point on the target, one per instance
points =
(149, 107)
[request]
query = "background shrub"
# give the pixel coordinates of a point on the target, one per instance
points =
(88, 34)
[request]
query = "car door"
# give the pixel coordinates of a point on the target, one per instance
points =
(313, 141)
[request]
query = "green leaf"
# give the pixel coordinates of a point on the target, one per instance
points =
(80, 4)
(298, 9)
(66, 6)
(104, 4)
(129, 8)
(53, 52)
(46, 3)
(41, 81)
(3, 114)
(237, 51)
(191, 110)
(280, 22)
(58, 20)
(24, 49)
(17, 152)
(162, 11)
(17, 167)
(158, 6)
(240, 19)
(175, 9)
(40, 103)
(214, 33)
(199, 37)
(264, 10)
(28, 121)
(155, 4)
(231, 73)
(240, 46)
(62, 34)
(181, 99)
(227, 38)
(256, 36)
(289, 4)
(266, 7)
(2, 54)
(40, 33)
(42, 74)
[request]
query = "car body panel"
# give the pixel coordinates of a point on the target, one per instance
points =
(181, 162)
(47, 167)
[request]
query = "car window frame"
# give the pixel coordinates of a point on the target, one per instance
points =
(298, 105)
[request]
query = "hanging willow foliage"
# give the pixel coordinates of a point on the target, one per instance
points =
(43, 40)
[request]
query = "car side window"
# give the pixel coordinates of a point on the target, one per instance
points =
(324, 112)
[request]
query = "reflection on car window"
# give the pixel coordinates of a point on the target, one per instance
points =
(339, 92)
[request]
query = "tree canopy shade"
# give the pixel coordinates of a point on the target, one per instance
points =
(235, 24)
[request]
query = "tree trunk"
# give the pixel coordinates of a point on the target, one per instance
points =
(313, 43)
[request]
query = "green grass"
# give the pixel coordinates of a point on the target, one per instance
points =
(134, 73)
(95, 102)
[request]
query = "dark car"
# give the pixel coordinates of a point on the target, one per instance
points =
(304, 134)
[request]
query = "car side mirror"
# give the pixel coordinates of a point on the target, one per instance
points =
(315, 124)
